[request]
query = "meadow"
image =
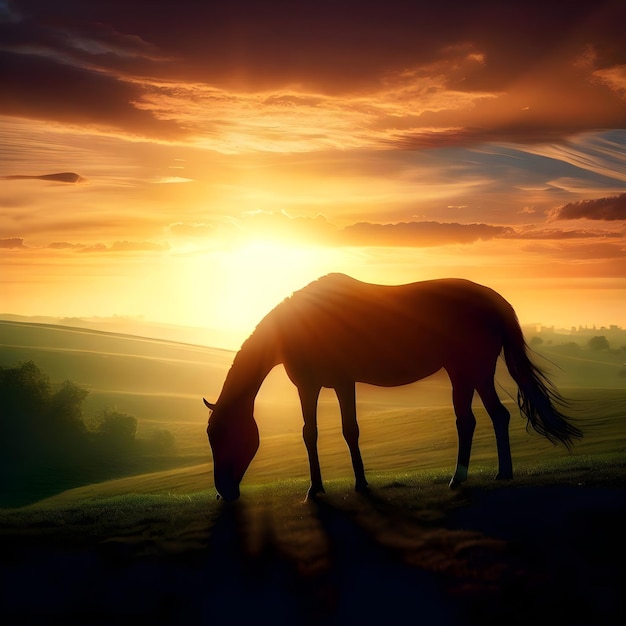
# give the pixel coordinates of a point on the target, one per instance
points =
(157, 544)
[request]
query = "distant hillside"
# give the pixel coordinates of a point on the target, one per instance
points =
(159, 382)
(138, 327)
(104, 360)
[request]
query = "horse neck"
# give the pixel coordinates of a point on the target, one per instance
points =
(254, 361)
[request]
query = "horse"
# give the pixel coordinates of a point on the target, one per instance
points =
(338, 331)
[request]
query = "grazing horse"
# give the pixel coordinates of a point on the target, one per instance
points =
(338, 331)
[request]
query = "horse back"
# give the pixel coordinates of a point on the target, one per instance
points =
(388, 334)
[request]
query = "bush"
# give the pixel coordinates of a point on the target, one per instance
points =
(598, 343)
(45, 445)
(116, 431)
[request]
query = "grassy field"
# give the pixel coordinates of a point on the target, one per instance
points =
(161, 383)
(158, 546)
(549, 545)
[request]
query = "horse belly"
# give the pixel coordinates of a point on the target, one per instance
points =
(385, 364)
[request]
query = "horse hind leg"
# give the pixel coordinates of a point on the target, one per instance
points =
(500, 418)
(350, 427)
(462, 394)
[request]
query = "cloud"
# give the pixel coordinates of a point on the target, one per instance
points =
(254, 225)
(596, 251)
(40, 87)
(13, 243)
(608, 209)
(249, 76)
(17, 243)
(431, 234)
(279, 226)
(422, 234)
(64, 245)
(551, 234)
(62, 177)
(614, 78)
(173, 180)
(185, 229)
(127, 246)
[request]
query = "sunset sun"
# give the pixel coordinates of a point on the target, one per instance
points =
(201, 178)
(234, 286)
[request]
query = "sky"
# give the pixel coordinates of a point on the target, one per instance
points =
(194, 163)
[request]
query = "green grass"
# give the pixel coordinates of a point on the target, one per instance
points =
(109, 507)
(138, 548)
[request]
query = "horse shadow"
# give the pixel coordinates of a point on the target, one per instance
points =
(357, 559)
(501, 555)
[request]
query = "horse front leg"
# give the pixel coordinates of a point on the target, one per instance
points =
(347, 404)
(308, 400)
(462, 394)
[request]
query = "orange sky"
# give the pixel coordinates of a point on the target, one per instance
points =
(228, 154)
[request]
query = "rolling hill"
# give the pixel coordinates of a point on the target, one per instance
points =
(161, 383)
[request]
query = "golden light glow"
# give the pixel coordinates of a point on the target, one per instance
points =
(235, 286)
(215, 181)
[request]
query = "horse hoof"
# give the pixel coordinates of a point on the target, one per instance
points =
(313, 492)
(500, 476)
(362, 487)
(455, 483)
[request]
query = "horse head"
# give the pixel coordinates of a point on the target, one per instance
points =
(234, 439)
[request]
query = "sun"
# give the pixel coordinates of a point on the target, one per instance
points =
(234, 287)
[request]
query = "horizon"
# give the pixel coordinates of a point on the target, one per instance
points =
(198, 167)
(231, 340)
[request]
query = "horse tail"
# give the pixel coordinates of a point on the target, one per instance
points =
(537, 397)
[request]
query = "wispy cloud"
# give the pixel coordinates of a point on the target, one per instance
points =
(62, 177)
(127, 246)
(614, 77)
(603, 154)
(583, 252)
(17, 243)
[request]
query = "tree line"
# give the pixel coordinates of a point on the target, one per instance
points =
(47, 446)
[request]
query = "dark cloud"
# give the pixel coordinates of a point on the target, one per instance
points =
(334, 45)
(41, 87)
(12, 243)
(550, 234)
(94, 63)
(609, 209)
(64, 245)
(422, 234)
(62, 177)
(430, 234)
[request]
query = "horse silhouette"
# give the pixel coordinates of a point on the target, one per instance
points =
(338, 331)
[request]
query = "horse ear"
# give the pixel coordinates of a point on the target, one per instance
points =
(208, 404)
